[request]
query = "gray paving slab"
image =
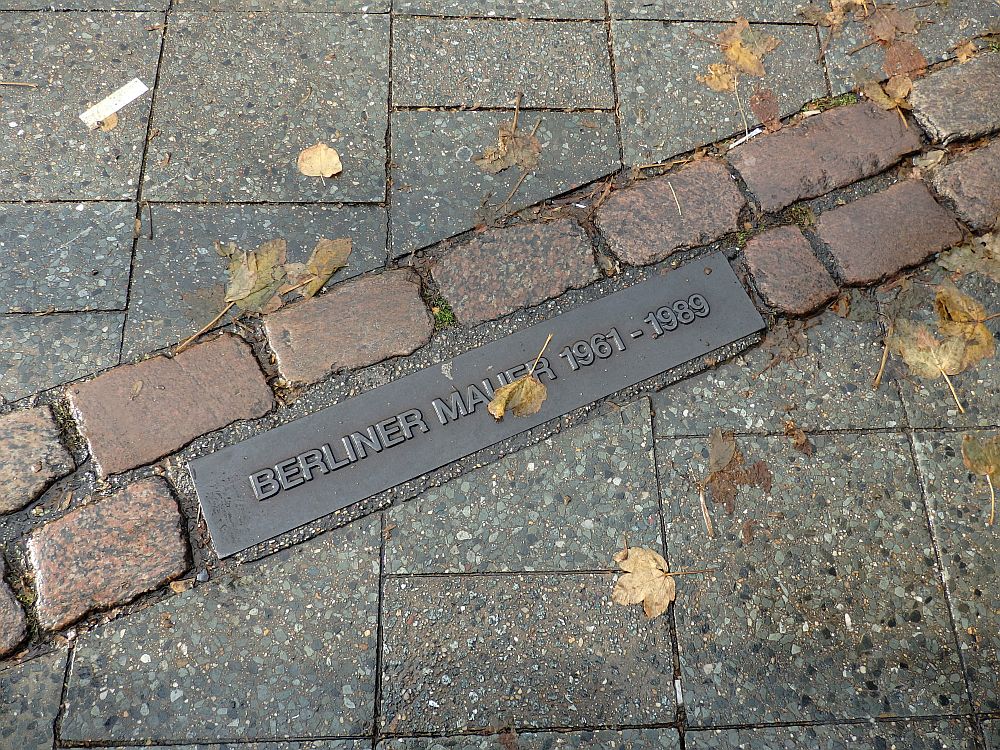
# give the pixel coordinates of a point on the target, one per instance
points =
(42, 351)
(946, 25)
(825, 602)
(503, 8)
(438, 190)
(532, 651)
(76, 59)
(950, 734)
(283, 648)
(486, 63)
(991, 729)
(242, 94)
(623, 739)
(959, 504)
(364, 744)
(929, 403)
(84, 5)
(310, 6)
(29, 702)
(65, 257)
(827, 388)
(707, 10)
(178, 280)
(559, 505)
(665, 110)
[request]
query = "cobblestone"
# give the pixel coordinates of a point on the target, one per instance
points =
(13, 625)
(475, 277)
(976, 84)
(787, 273)
(972, 182)
(107, 553)
(32, 457)
(202, 389)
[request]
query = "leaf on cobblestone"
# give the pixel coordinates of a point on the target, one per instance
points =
(319, 160)
(982, 457)
(931, 159)
(647, 581)
(891, 96)
(523, 398)
(981, 255)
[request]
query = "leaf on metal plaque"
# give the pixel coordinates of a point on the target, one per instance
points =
(646, 581)
(981, 255)
(319, 160)
(523, 398)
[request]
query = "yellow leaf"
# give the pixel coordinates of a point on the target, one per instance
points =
(924, 354)
(328, 257)
(109, 123)
(965, 51)
(646, 580)
(982, 457)
(319, 161)
(523, 397)
(720, 78)
(745, 47)
(963, 318)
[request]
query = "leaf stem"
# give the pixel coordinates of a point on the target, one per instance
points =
(885, 354)
(544, 346)
(19, 83)
(704, 511)
(993, 501)
(211, 323)
(954, 395)
(689, 572)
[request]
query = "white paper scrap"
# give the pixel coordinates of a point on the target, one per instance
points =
(114, 102)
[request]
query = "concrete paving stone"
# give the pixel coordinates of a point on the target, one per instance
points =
(620, 739)
(946, 25)
(280, 648)
(475, 276)
(364, 744)
(178, 280)
(241, 95)
(208, 386)
(33, 456)
(929, 403)
(84, 5)
(706, 10)
(107, 553)
(29, 697)
(439, 191)
(532, 651)
(942, 734)
(826, 602)
(377, 317)
(76, 59)
(991, 729)
(828, 151)
(665, 110)
(486, 63)
(883, 233)
(503, 8)
(39, 352)
(787, 272)
(975, 85)
(13, 625)
(643, 223)
(827, 388)
(305, 6)
(959, 503)
(564, 504)
(972, 184)
(64, 257)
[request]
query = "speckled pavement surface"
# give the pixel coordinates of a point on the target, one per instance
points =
(854, 604)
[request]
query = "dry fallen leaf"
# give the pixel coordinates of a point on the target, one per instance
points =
(721, 77)
(800, 441)
(109, 123)
(328, 257)
(256, 277)
(931, 159)
(320, 161)
(890, 97)
(982, 457)
(744, 47)
(888, 22)
(523, 397)
(965, 51)
(962, 317)
(727, 473)
(925, 355)
(721, 449)
(647, 580)
(981, 255)
(902, 57)
(764, 105)
(514, 148)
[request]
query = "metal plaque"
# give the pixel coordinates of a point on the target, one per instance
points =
(301, 471)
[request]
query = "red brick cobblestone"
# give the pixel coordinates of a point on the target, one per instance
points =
(135, 414)
(545, 258)
(13, 626)
(788, 274)
(878, 235)
(107, 553)
(960, 101)
(31, 457)
(356, 323)
(828, 151)
(972, 182)
(650, 221)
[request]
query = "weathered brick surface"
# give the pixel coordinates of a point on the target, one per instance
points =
(788, 274)
(356, 323)
(107, 553)
(882, 233)
(31, 457)
(135, 414)
(960, 101)
(545, 259)
(825, 152)
(13, 626)
(972, 182)
(655, 218)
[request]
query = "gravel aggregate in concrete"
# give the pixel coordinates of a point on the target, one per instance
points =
(29, 697)
(940, 734)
